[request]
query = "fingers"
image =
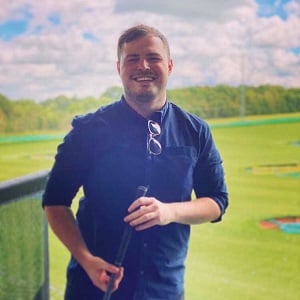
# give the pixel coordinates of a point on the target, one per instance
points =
(146, 225)
(100, 272)
(140, 202)
(118, 278)
(109, 268)
(142, 219)
(105, 279)
(140, 211)
(147, 212)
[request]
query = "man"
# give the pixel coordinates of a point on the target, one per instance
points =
(143, 139)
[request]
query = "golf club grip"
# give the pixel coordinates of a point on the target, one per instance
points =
(140, 192)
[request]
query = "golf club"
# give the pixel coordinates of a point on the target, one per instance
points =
(140, 192)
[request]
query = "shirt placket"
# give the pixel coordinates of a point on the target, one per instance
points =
(144, 243)
(144, 259)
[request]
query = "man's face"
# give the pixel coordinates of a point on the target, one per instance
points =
(144, 68)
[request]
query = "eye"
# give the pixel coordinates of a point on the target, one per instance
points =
(132, 59)
(154, 58)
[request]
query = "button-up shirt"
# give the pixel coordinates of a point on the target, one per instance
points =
(106, 154)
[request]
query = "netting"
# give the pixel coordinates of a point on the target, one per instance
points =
(22, 250)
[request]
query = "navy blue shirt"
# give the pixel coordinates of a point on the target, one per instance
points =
(106, 154)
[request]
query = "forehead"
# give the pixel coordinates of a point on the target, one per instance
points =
(144, 45)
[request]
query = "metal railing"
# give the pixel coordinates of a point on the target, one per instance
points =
(24, 258)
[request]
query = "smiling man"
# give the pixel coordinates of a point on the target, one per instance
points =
(144, 66)
(141, 140)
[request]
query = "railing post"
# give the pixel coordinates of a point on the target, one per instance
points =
(20, 209)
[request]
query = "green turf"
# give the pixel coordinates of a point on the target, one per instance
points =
(19, 159)
(21, 276)
(234, 259)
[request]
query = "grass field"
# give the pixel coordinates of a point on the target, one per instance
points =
(234, 259)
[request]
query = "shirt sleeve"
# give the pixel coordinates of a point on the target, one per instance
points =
(209, 179)
(71, 164)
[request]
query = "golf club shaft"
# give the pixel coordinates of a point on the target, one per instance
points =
(140, 192)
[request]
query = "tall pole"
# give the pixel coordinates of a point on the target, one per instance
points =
(242, 89)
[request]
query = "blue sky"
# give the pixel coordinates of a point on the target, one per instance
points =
(12, 28)
(69, 47)
(270, 8)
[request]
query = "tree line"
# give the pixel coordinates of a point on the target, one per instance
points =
(219, 101)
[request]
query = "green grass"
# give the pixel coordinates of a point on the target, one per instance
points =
(233, 259)
(28, 237)
(236, 259)
(19, 159)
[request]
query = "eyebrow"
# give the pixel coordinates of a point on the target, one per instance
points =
(148, 54)
(132, 55)
(153, 54)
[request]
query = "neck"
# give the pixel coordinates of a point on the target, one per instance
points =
(145, 109)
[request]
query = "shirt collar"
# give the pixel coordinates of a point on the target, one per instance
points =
(156, 116)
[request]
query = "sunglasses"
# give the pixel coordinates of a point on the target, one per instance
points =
(153, 145)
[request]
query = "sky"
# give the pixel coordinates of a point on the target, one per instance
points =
(50, 48)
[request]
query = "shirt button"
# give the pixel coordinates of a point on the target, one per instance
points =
(142, 272)
(145, 245)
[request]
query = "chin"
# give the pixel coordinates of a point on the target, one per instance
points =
(141, 96)
(145, 97)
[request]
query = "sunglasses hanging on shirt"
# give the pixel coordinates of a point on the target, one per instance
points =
(153, 145)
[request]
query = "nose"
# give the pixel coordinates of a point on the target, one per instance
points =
(144, 65)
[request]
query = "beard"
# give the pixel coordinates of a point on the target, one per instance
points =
(142, 97)
(145, 97)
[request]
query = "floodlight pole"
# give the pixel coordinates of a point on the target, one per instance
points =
(242, 89)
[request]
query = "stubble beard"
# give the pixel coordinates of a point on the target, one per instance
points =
(142, 97)
(155, 94)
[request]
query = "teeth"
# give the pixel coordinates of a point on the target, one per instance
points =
(144, 79)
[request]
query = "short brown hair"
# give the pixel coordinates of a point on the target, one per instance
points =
(137, 32)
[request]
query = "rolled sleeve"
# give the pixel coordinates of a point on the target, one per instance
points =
(209, 178)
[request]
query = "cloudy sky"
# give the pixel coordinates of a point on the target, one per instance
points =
(49, 48)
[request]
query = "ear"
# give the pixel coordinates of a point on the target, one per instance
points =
(170, 66)
(118, 66)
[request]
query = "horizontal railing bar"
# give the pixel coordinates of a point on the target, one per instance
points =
(22, 186)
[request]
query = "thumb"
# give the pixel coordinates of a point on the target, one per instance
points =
(111, 268)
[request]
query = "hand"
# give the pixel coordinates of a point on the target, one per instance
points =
(146, 212)
(99, 272)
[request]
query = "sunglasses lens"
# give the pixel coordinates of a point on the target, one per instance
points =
(154, 127)
(154, 146)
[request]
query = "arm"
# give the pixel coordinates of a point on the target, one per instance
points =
(63, 224)
(147, 212)
(198, 211)
(72, 161)
(210, 189)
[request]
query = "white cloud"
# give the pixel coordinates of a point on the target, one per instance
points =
(293, 8)
(212, 42)
(276, 33)
(201, 9)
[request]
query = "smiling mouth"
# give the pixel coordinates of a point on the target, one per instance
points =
(143, 78)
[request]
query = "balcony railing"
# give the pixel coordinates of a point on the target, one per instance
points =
(24, 261)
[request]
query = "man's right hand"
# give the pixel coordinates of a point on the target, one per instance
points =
(63, 224)
(99, 272)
